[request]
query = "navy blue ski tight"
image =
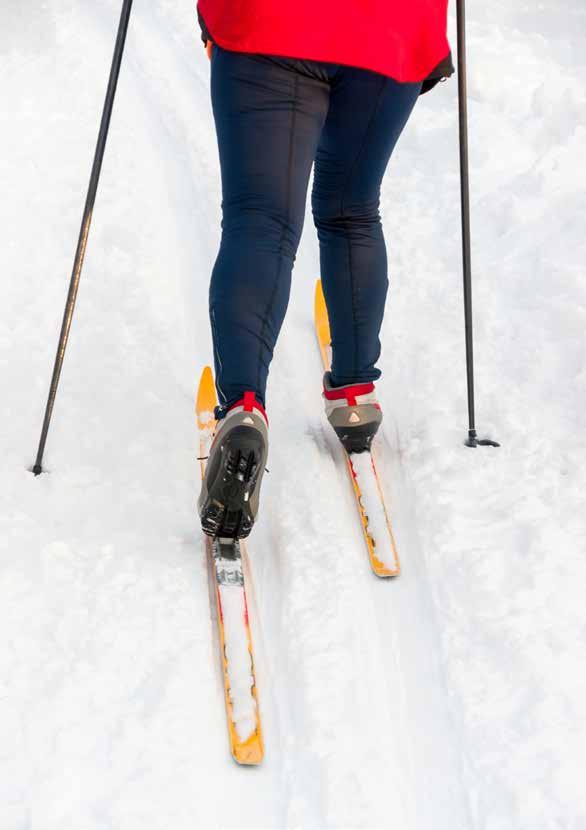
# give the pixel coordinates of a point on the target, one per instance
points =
(274, 118)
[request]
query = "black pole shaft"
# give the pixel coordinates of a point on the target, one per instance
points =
(465, 200)
(85, 228)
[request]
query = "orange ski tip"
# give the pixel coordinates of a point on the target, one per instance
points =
(209, 48)
(206, 400)
(322, 322)
(322, 325)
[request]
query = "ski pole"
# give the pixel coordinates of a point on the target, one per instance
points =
(85, 229)
(472, 440)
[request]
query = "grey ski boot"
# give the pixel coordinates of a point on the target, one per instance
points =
(229, 498)
(354, 412)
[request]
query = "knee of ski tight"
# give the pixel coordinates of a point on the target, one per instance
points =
(266, 229)
(334, 217)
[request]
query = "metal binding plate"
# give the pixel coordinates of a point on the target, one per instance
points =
(228, 562)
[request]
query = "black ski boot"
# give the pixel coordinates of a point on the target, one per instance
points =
(229, 498)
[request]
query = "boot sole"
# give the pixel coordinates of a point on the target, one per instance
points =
(226, 512)
(357, 439)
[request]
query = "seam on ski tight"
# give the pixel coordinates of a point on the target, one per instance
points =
(348, 224)
(283, 229)
(216, 346)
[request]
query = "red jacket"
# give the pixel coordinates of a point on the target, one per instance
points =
(405, 39)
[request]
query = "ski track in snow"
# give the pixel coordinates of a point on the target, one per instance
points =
(452, 697)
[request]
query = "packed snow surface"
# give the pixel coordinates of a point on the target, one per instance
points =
(451, 698)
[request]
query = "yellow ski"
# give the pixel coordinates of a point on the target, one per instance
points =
(366, 486)
(240, 692)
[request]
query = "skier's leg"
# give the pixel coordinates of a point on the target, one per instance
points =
(268, 119)
(366, 116)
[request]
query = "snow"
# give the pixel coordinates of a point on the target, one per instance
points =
(452, 697)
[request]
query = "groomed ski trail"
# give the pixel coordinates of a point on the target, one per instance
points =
(324, 748)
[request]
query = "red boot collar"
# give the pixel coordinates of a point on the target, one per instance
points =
(350, 393)
(249, 403)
